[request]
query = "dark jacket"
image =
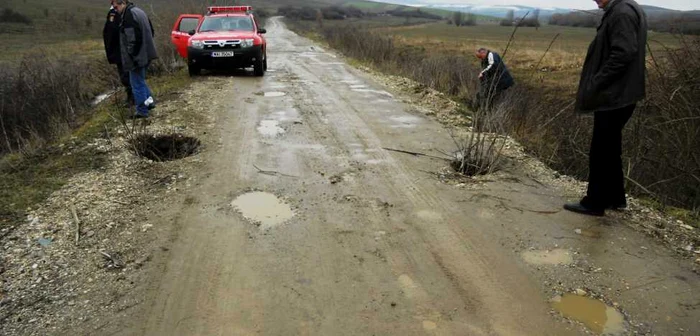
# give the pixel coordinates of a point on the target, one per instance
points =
(614, 72)
(138, 47)
(110, 35)
(496, 74)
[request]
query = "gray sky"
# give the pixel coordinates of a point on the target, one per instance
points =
(577, 4)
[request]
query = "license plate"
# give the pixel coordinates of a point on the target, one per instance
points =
(223, 54)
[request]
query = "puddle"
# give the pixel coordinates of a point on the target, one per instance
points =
(274, 94)
(379, 92)
(263, 208)
(270, 128)
(553, 257)
(406, 119)
(596, 315)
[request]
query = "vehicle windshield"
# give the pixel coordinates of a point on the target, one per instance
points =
(228, 23)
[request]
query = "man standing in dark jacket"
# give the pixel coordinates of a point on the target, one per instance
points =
(138, 49)
(612, 82)
(493, 79)
(110, 35)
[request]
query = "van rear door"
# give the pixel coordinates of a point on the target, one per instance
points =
(180, 35)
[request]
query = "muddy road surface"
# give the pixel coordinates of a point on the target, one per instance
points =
(302, 224)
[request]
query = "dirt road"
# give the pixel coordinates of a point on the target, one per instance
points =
(303, 225)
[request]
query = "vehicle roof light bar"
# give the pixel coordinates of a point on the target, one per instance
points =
(230, 9)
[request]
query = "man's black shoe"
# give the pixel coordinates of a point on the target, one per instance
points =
(578, 208)
(151, 106)
(138, 116)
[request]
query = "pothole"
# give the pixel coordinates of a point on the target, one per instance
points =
(596, 315)
(553, 257)
(476, 160)
(270, 128)
(263, 208)
(165, 147)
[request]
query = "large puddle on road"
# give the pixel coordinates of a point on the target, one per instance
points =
(596, 315)
(263, 208)
(270, 128)
(553, 257)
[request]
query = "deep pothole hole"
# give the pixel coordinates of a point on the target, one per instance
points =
(476, 163)
(168, 147)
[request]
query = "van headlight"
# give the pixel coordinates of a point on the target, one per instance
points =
(247, 43)
(197, 44)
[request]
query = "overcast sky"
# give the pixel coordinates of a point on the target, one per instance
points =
(577, 4)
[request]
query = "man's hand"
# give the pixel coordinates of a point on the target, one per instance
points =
(481, 75)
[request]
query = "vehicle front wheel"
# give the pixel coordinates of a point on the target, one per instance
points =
(194, 70)
(259, 66)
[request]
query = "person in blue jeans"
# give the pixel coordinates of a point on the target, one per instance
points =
(138, 49)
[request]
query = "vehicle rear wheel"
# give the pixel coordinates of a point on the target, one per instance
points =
(194, 70)
(259, 66)
(265, 63)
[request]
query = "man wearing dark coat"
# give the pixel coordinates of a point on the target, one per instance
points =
(138, 50)
(493, 79)
(110, 35)
(612, 82)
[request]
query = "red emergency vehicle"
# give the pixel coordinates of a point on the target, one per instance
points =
(226, 37)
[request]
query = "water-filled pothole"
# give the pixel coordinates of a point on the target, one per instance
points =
(553, 257)
(263, 208)
(165, 147)
(270, 128)
(596, 315)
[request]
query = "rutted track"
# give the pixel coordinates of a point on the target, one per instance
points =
(375, 246)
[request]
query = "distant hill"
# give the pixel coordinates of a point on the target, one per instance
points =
(500, 11)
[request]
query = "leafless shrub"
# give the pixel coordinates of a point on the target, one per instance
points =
(480, 151)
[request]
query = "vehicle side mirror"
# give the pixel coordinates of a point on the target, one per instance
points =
(191, 32)
(262, 31)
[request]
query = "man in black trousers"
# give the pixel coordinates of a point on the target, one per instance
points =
(110, 35)
(612, 82)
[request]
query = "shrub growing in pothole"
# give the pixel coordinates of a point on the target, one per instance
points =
(165, 147)
(478, 154)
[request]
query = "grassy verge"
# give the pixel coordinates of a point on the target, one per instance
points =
(28, 179)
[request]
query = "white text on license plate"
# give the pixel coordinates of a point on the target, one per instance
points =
(222, 54)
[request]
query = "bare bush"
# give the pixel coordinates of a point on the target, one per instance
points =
(480, 150)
